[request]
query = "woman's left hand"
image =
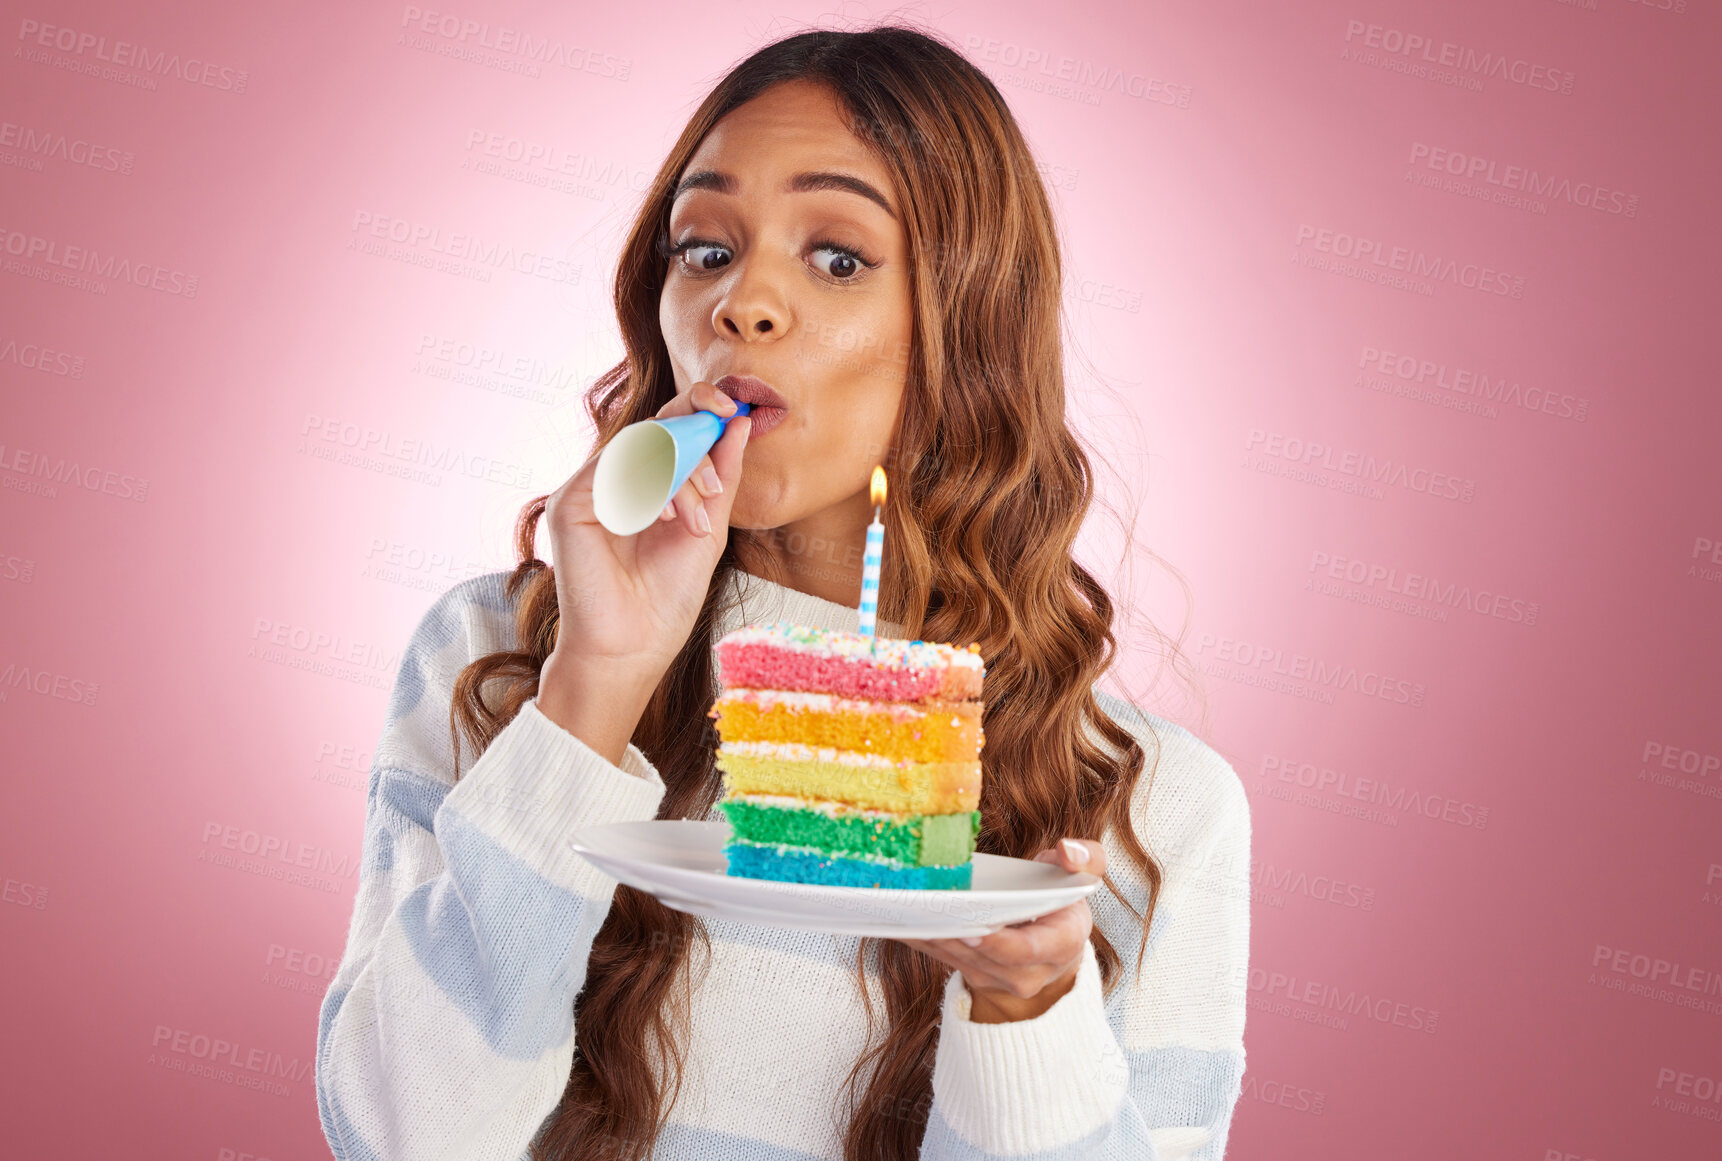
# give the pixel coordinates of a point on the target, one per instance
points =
(1018, 972)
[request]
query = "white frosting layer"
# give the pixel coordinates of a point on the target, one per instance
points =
(882, 652)
(801, 752)
(801, 699)
(824, 806)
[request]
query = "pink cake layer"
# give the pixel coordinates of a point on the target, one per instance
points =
(848, 664)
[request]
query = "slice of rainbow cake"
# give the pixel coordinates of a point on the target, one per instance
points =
(849, 760)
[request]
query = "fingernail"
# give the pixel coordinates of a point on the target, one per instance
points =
(709, 478)
(702, 519)
(669, 511)
(971, 940)
(1076, 851)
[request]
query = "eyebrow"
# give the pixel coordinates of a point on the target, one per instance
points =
(724, 183)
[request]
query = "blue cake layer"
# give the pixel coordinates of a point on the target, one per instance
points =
(759, 862)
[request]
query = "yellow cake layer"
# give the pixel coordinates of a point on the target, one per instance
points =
(912, 788)
(933, 732)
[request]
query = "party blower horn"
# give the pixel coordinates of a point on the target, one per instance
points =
(648, 462)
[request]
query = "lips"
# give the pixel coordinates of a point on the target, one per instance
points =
(767, 408)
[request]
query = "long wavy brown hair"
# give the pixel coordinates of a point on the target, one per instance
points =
(989, 489)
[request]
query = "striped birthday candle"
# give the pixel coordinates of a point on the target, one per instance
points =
(870, 559)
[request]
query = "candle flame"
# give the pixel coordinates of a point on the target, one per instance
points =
(878, 486)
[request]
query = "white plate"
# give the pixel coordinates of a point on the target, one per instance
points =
(681, 862)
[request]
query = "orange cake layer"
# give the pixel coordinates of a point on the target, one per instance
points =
(930, 732)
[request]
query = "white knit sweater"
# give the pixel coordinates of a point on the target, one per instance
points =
(448, 1029)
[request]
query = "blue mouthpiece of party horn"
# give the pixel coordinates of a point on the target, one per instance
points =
(648, 462)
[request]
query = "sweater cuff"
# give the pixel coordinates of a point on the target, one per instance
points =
(1028, 1086)
(537, 783)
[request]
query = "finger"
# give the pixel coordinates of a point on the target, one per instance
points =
(1072, 854)
(708, 398)
(571, 504)
(702, 396)
(981, 972)
(689, 506)
(932, 949)
(726, 452)
(724, 462)
(705, 478)
(1053, 938)
(1096, 864)
(726, 457)
(951, 952)
(680, 404)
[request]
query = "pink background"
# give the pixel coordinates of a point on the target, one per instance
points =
(1538, 594)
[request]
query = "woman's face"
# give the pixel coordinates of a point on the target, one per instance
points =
(801, 282)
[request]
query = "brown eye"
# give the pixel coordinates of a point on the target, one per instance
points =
(702, 256)
(702, 251)
(845, 263)
(843, 266)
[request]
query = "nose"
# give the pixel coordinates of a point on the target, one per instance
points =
(752, 311)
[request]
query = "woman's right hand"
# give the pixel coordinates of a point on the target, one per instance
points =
(628, 603)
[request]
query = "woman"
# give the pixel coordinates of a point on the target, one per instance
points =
(854, 220)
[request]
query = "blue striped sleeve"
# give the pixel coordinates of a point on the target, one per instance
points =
(1152, 1070)
(449, 1023)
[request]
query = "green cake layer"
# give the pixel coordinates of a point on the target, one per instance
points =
(796, 866)
(907, 840)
